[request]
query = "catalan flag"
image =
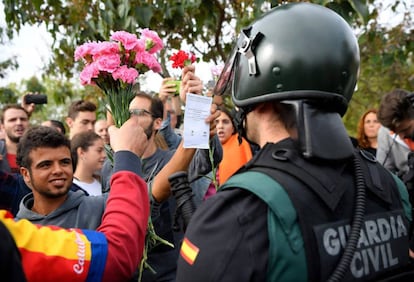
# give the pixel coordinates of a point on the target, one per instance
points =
(189, 251)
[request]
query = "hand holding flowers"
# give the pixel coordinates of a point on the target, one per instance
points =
(183, 60)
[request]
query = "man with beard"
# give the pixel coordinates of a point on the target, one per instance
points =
(45, 162)
(150, 110)
(112, 252)
(14, 121)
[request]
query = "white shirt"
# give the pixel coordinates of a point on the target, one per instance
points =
(93, 189)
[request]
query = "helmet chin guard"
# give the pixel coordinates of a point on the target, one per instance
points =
(321, 134)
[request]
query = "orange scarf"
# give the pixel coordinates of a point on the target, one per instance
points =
(234, 157)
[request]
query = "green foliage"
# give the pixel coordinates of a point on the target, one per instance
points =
(8, 65)
(386, 63)
(34, 85)
(210, 27)
(7, 96)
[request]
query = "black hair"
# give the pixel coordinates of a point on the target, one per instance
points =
(157, 107)
(58, 124)
(38, 137)
(231, 114)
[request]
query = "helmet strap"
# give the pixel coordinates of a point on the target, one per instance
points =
(240, 121)
(246, 45)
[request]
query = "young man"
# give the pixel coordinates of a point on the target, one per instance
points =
(395, 137)
(162, 258)
(111, 253)
(45, 162)
(81, 117)
(149, 110)
(307, 197)
(14, 121)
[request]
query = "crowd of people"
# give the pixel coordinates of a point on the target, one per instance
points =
(275, 198)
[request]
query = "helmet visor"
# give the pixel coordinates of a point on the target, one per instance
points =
(227, 74)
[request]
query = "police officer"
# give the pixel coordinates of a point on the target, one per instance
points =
(308, 206)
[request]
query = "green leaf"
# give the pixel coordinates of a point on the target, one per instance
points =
(361, 7)
(144, 15)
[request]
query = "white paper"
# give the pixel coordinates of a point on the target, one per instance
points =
(196, 131)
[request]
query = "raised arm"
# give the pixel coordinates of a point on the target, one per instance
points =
(183, 156)
(113, 251)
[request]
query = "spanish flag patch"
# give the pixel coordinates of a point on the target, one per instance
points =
(189, 251)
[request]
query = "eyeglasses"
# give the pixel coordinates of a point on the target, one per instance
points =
(140, 112)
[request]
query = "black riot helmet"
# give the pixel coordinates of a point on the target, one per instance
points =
(298, 51)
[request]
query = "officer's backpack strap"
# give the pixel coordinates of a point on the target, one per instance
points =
(282, 225)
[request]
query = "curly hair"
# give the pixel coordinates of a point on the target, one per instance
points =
(362, 139)
(38, 137)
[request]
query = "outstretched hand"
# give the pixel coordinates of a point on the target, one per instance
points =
(129, 137)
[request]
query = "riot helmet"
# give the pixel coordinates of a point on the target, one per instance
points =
(297, 51)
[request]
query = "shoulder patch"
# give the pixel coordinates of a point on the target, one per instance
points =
(189, 251)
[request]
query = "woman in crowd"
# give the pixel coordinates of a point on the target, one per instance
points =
(367, 131)
(235, 155)
(88, 155)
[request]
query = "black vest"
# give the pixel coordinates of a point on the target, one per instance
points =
(323, 195)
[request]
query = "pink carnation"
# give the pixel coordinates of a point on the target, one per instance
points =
(103, 48)
(108, 62)
(127, 75)
(149, 60)
(84, 50)
(127, 39)
(140, 47)
(152, 40)
(89, 72)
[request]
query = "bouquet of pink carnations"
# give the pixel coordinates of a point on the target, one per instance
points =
(115, 65)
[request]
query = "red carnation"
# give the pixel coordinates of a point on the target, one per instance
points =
(182, 59)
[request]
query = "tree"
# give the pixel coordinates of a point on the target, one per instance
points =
(210, 27)
(9, 63)
(7, 95)
(386, 63)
